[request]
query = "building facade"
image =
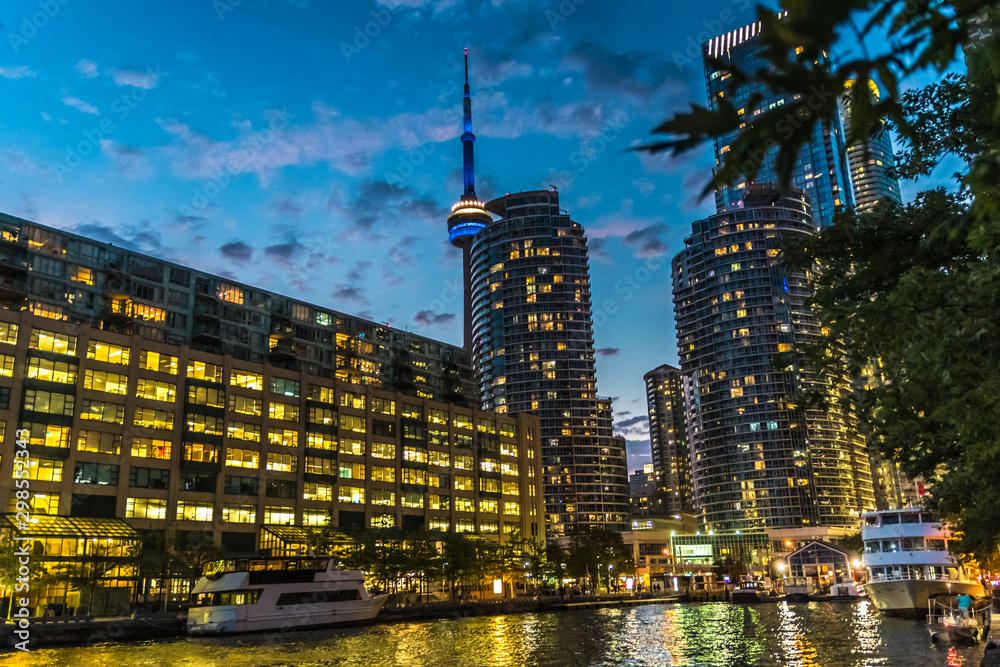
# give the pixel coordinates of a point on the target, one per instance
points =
(668, 439)
(758, 461)
(642, 490)
(62, 276)
(821, 168)
(169, 437)
(870, 161)
(534, 352)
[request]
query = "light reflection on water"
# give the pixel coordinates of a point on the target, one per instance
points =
(804, 635)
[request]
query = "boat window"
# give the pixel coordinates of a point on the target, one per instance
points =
(890, 545)
(913, 544)
(871, 520)
(911, 517)
(238, 597)
(317, 597)
(935, 572)
(873, 547)
(258, 565)
(927, 518)
(889, 519)
(935, 544)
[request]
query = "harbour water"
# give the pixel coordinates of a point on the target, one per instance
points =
(806, 634)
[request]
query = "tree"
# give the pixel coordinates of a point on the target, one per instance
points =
(911, 292)
(600, 554)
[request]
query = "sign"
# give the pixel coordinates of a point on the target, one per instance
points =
(688, 551)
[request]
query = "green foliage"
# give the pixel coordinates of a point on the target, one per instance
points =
(600, 554)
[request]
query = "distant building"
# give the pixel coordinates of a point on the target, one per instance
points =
(821, 168)
(668, 439)
(642, 490)
(870, 161)
(758, 460)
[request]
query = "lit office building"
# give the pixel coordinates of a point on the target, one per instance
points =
(870, 162)
(668, 439)
(757, 461)
(821, 168)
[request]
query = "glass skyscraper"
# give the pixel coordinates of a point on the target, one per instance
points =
(759, 462)
(821, 169)
(668, 438)
(870, 161)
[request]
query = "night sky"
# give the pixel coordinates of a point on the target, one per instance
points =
(311, 148)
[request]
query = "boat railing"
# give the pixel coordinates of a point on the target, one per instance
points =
(908, 575)
(944, 613)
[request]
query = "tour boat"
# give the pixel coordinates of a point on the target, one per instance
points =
(907, 559)
(750, 591)
(259, 594)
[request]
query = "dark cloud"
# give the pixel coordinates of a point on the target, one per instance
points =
(127, 159)
(348, 293)
(237, 250)
(639, 419)
(132, 237)
(595, 247)
(190, 220)
(639, 75)
(608, 351)
(430, 318)
(283, 252)
(285, 207)
(648, 239)
(378, 201)
(357, 274)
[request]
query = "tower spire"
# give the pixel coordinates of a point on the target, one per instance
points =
(468, 138)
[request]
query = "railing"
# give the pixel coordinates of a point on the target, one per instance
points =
(918, 576)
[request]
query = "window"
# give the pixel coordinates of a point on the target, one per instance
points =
(351, 494)
(230, 293)
(352, 470)
(243, 431)
(383, 521)
(242, 458)
(353, 423)
(197, 481)
(150, 448)
(49, 402)
(382, 497)
(316, 491)
(7, 367)
(507, 449)
(47, 435)
(145, 508)
(415, 454)
(412, 499)
(158, 419)
(209, 396)
(489, 485)
(285, 387)
(321, 441)
(201, 452)
(464, 441)
(463, 421)
(511, 488)
(322, 416)
(98, 443)
(63, 372)
(412, 411)
(44, 470)
(508, 430)
(349, 400)
(283, 411)
(321, 394)
(508, 467)
(441, 459)
(487, 426)
(207, 424)
(111, 383)
(384, 429)
(511, 508)
(320, 466)
(238, 513)
(155, 390)
(383, 474)
(240, 486)
(149, 478)
(157, 361)
(282, 462)
(283, 437)
(489, 527)
(8, 335)
(200, 370)
(315, 517)
(383, 406)
(109, 413)
(351, 446)
(463, 483)
(463, 504)
(439, 502)
(47, 341)
(438, 417)
(463, 462)
(411, 476)
(383, 450)
(440, 523)
(439, 480)
(414, 431)
(188, 510)
(107, 352)
(281, 488)
(247, 380)
(245, 405)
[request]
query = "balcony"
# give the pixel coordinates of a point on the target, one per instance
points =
(280, 330)
(206, 311)
(284, 349)
(206, 331)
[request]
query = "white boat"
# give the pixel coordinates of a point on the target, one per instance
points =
(946, 621)
(907, 559)
(259, 594)
(750, 591)
(848, 590)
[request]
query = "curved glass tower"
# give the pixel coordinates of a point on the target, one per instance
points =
(757, 461)
(533, 351)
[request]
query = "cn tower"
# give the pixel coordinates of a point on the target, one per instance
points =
(469, 215)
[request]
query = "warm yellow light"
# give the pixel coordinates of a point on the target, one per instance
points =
(497, 586)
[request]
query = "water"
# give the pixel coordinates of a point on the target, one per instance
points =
(806, 634)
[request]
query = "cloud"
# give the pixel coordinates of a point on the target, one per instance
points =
(648, 239)
(635, 76)
(430, 318)
(128, 159)
(144, 80)
(142, 236)
(595, 248)
(87, 69)
(285, 206)
(283, 253)
(379, 201)
(236, 250)
(80, 105)
(608, 351)
(348, 293)
(645, 186)
(635, 427)
(19, 72)
(357, 274)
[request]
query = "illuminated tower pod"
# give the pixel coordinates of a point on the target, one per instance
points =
(757, 462)
(534, 352)
(821, 168)
(468, 216)
(668, 439)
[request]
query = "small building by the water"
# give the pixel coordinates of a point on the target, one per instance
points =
(816, 566)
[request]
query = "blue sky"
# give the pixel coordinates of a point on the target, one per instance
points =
(311, 148)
